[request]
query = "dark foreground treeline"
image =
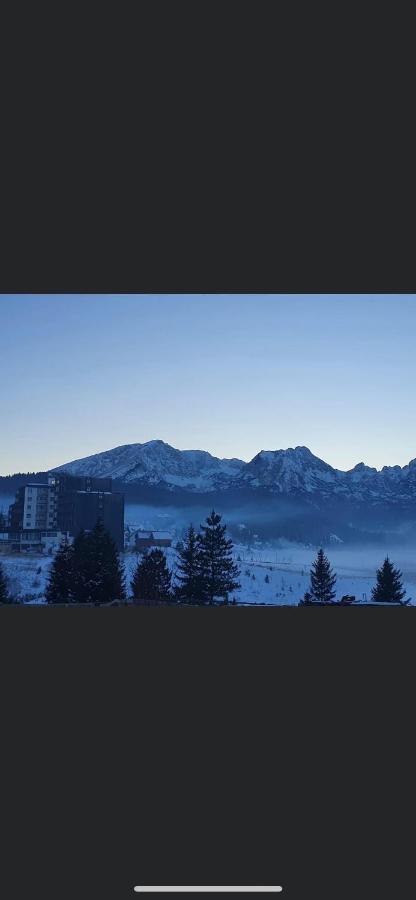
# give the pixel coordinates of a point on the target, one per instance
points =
(89, 571)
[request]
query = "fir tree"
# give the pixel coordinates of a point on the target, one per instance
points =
(219, 572)
(109, 582)
(98, 575)
(189, 575)
(4, 589)
(81, 568)
(61, 577)
(152, 579)
(323, 579)
(389, 587)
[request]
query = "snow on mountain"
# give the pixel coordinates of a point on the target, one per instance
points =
(292, 471)
(156, 462)
(299, 471)
(285, 471)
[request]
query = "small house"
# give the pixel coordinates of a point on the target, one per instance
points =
(145, 540)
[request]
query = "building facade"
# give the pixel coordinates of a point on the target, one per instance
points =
(31, 541)
(69, 504)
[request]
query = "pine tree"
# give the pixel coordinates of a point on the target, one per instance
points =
(4, 589)
(109, 582)
(82, 568)
(218, 570)
(152, 579)
(98, 576)
(189, 576)
(389, 587)
(61, 577)
(323, 579)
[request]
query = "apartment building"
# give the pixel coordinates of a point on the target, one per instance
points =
(68, 504)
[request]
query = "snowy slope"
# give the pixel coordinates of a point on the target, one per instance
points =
(290, 470)
(156, 462)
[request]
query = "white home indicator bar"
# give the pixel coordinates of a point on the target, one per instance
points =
(210, 889)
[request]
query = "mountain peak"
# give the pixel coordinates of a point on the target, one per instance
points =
(304, 450)
(288, 451)
(156, 443)
(361, 467)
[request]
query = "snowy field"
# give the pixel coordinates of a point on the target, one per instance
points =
(288, 570)
(268, 575)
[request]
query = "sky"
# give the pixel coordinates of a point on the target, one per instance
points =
(231, 374)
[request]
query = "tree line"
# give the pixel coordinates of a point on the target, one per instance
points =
(205, 573)
(89, 571)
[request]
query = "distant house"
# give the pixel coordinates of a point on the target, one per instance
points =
(31, 541)
(147, 539)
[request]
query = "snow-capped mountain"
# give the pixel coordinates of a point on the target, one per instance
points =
(299, 471)
(292, 471)
(157, 463)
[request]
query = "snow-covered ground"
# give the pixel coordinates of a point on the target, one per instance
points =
(288, 570)
(274, 576)
(26, 583)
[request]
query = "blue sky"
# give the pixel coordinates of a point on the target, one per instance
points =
(230, 374)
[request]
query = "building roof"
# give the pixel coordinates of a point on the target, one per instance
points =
(154, 535)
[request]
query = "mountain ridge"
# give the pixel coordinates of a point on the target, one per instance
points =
(294, 470)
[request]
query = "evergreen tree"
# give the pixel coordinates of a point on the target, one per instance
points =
(389, 587)
(98, 576)
(189, 575)
(219, 572)
(152, 578)
(81, 568)
(4, 589)
(323, 579)
(109, 582)
(60, 584)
